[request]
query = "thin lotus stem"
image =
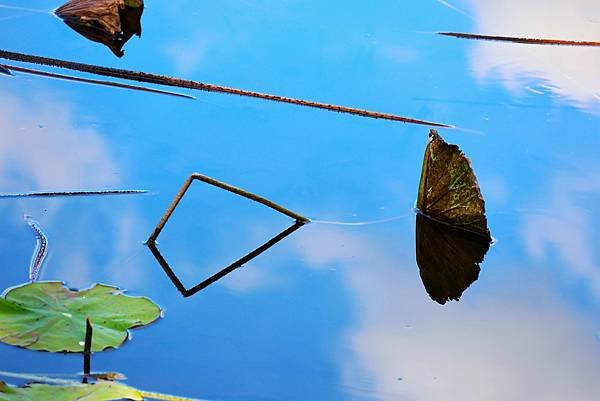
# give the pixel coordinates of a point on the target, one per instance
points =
(87, 349)
(53, 194)
(528, 41)
(238, 191)
(92, 81)
(181, 83)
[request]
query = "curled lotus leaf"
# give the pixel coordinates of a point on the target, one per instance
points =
(110, 22)
(449, 191)
(47, 316)
(100, 391)
(452, 236)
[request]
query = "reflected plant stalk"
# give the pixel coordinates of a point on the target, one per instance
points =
(181, 83)
(10, 68)
(151, 242)
(229, 269)
(528, 41)
(5, 71)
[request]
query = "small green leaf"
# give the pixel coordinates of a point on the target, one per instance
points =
(47, 316)
(101, 391)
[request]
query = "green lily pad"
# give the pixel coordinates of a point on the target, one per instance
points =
(100, 391)
(47, 316)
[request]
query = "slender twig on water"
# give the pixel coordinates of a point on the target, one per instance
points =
(227, 187)
(10, 68)
(182, 83)
(53, 194)
(87, 350)
(528, 41)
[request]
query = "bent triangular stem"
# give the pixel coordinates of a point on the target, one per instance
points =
(219, 184)
(299, 222)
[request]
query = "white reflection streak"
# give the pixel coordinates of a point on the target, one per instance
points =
(128, 248)
(453, 8)
(40, 148)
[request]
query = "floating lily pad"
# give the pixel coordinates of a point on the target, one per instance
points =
(452, 236)
(110, 22)
(47, 316)
(100, 391)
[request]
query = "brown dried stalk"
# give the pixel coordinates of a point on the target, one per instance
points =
(528, 41)
(182, 83)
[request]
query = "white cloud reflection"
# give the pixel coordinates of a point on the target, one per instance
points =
(569, 72)
(187, 57)
(502, 344)
(41, 148)
(569, 231)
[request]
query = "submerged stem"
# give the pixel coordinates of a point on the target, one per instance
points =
(91, 81)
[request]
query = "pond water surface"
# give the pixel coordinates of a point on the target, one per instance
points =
(335, 311)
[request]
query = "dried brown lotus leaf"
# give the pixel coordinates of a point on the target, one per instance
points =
(110, 22)
(449, 191)
(452, 236)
